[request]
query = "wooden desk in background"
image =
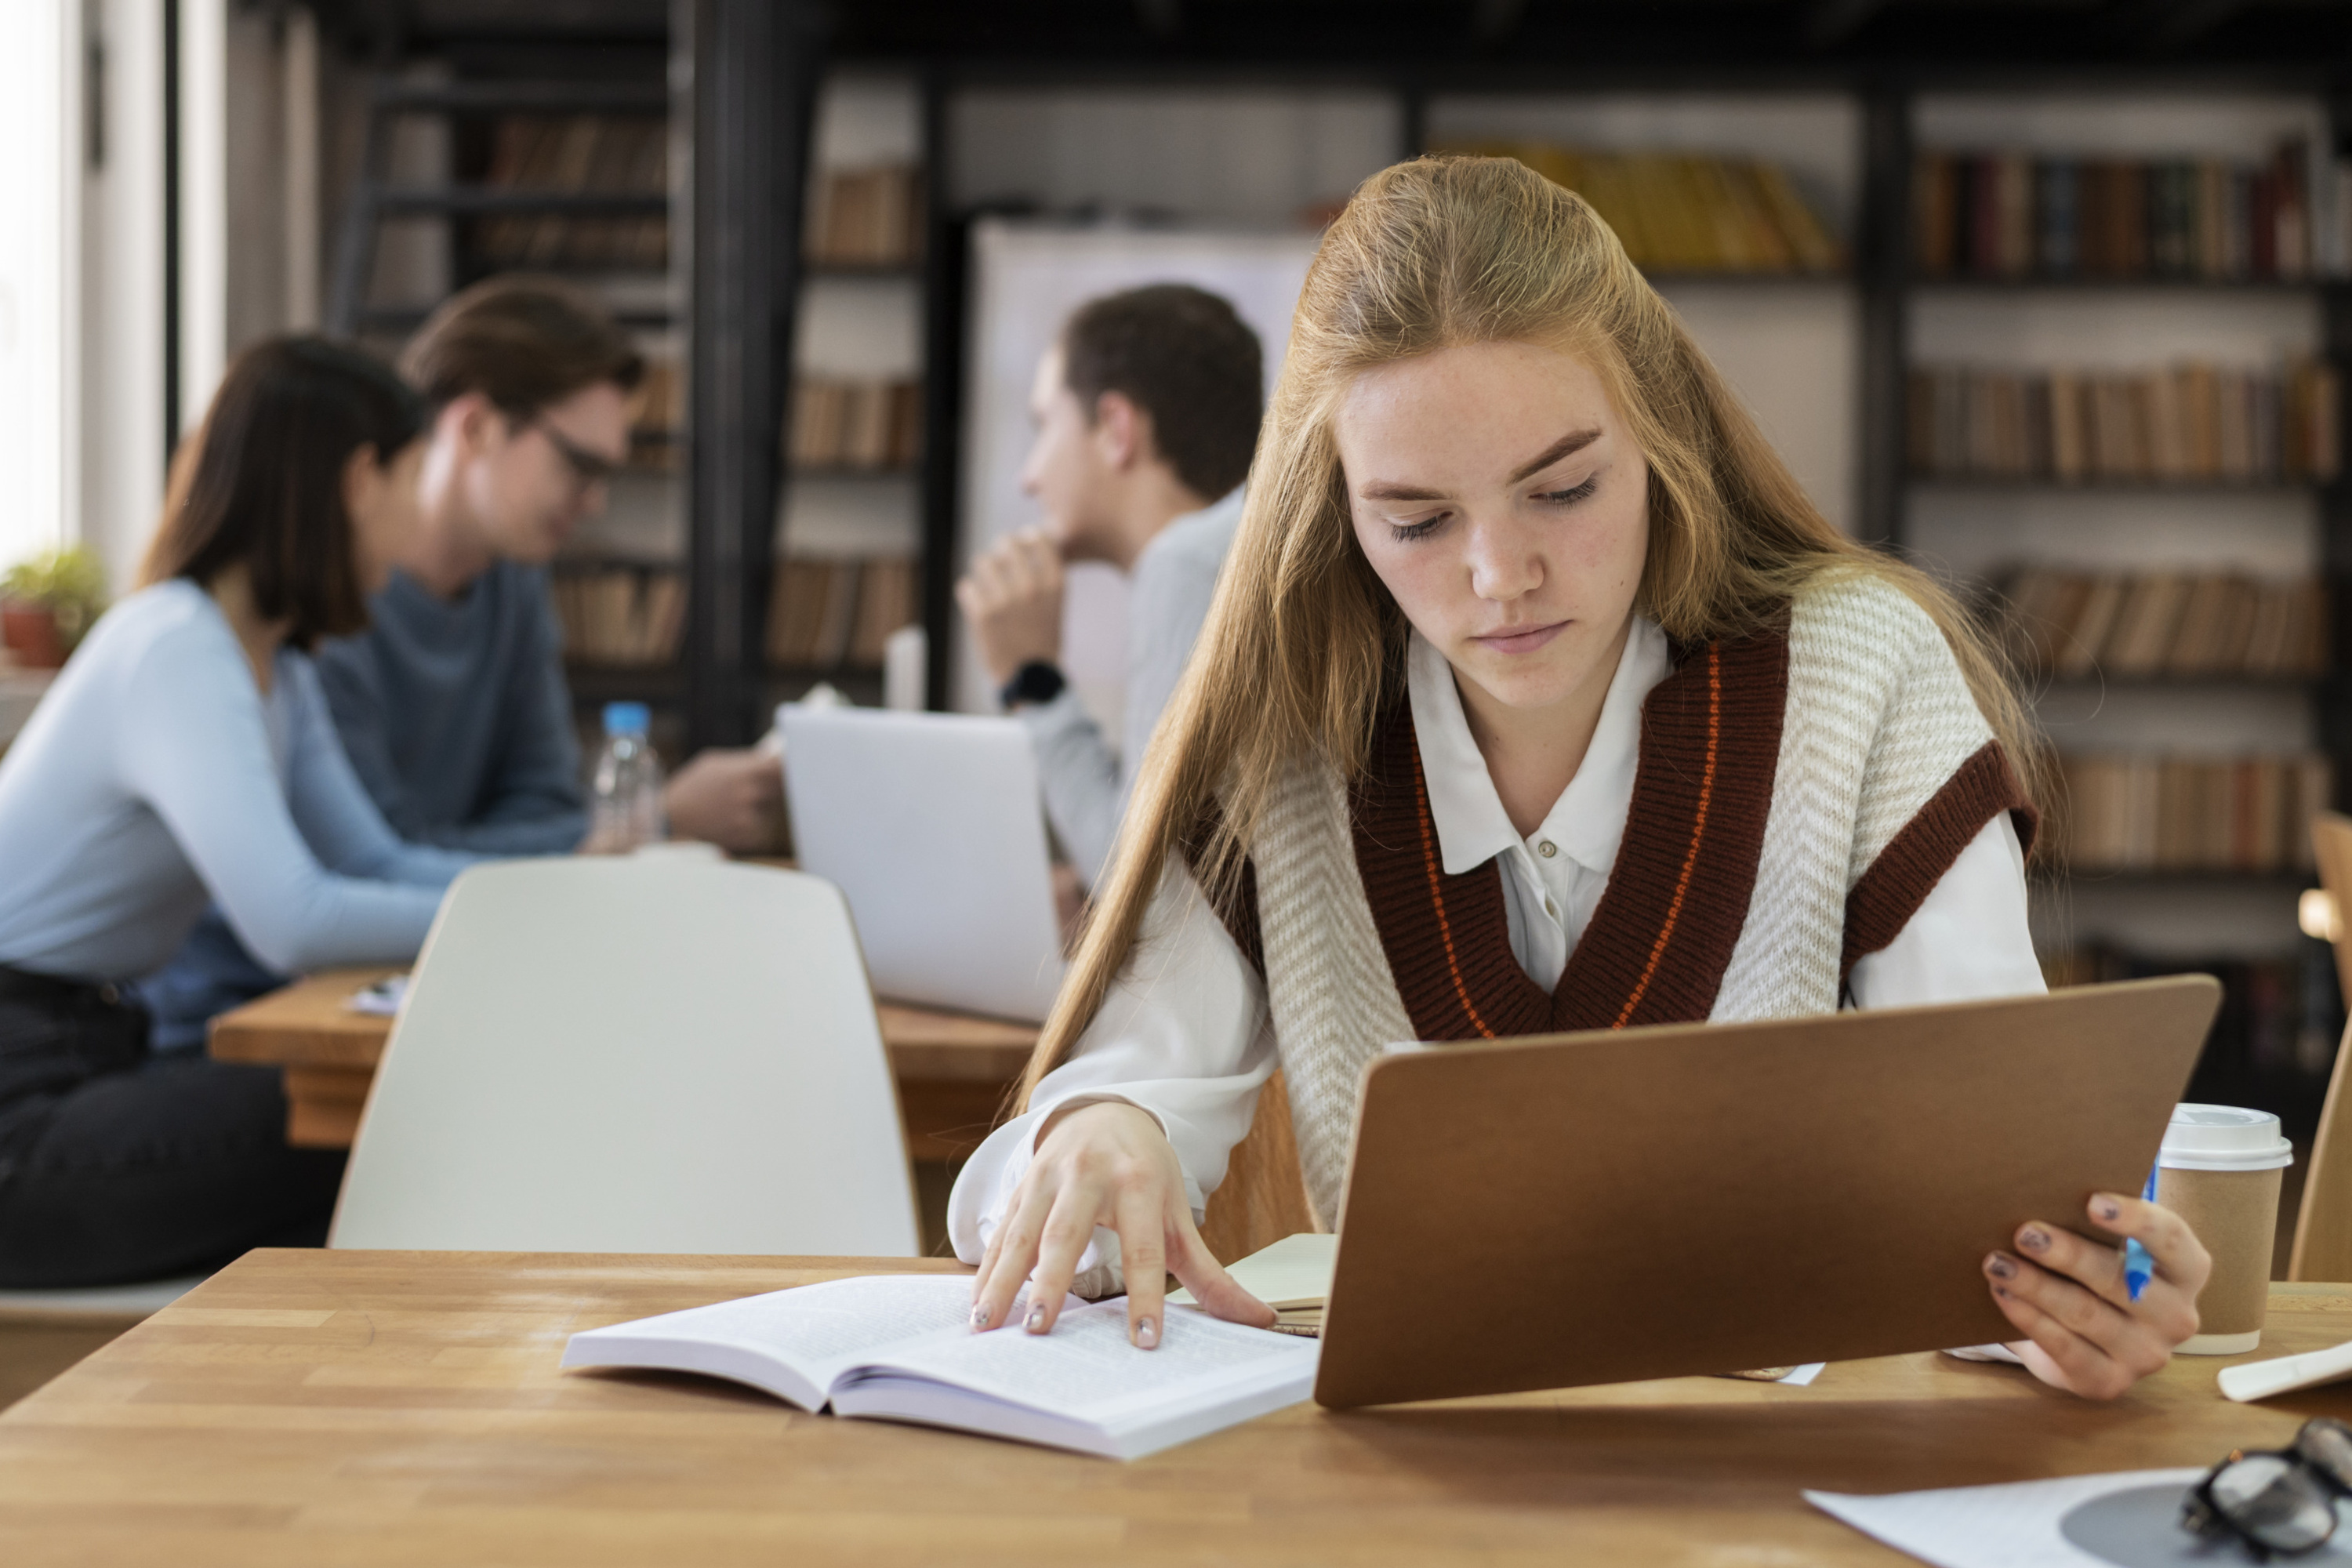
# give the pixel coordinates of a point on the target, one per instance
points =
(952, 1070)
(384, 1408)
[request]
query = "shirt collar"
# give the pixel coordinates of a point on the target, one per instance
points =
(1588, 821)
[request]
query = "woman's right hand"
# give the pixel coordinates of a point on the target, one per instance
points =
(1104, 1164)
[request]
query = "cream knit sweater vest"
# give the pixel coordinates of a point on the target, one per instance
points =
(1878, 718)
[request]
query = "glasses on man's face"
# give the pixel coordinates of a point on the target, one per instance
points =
(587, 468)
(2279, 1502)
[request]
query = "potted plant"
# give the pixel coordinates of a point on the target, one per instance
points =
(46, 602)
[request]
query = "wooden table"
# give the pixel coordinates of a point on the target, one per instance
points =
(377, 1408)
(952, 1070)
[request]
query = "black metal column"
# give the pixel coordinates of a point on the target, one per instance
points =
(2332, 698)
(945, 235)
(755, 66)
(1882, 264)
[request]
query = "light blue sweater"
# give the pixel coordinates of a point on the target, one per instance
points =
(155, 776)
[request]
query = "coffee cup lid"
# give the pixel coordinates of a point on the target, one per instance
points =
(2223, 1138)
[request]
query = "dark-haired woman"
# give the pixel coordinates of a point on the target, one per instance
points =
(184, 754)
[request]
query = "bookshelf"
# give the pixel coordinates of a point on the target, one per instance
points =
(557, 159)
(849, 538)
(2120, 383)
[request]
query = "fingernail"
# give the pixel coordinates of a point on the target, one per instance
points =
(1147, 1333)
(979, 1316)
(2104, 1208)
(2001, 1292)
(2033, 1238)
(2000, 1266)
(1036, 1323)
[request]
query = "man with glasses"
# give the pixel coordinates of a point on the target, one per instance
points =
(453, 705)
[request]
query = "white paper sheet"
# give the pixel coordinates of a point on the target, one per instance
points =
(381, 1000)
(2126, 1520)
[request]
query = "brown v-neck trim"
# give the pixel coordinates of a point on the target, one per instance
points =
(1890, 891)
(1657, 945)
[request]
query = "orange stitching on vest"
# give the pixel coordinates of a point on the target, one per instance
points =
(1698, 835)
(1437, 898)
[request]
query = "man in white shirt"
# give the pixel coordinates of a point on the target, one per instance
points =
(1147, 411)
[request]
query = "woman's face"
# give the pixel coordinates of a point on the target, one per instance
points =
(382, 500)
(1497, 493)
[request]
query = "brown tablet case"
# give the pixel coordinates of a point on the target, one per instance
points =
(1699, 1198)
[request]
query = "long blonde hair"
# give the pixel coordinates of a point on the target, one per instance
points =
(1303, 644)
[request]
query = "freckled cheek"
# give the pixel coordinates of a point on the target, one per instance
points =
(1420, 579)
(1604, 554)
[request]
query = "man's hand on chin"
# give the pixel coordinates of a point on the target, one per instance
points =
(1012, 601)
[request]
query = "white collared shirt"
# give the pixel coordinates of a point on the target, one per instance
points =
(1553, 877)
(1182, 1033)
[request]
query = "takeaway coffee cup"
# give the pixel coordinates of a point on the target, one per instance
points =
(2220, 1171)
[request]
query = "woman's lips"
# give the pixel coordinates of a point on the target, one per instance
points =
(1524, 639)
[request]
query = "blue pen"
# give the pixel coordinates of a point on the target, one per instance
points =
(2139, 1267)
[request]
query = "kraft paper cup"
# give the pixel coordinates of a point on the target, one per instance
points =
(2219, 1172)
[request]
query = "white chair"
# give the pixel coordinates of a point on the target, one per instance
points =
(658, 1054)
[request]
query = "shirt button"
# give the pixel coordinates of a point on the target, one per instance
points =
(1551, 909)
(1547, 848)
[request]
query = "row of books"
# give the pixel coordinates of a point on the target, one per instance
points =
(1686, 212)
(619, 154)
(661, 407)
(867, 217)
(621, 616)
(2013, 214)
(2163, 623)
(826, 615)
(855, 424)
(2191, 814)
(2189, 423)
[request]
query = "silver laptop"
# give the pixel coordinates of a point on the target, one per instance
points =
(933, 826)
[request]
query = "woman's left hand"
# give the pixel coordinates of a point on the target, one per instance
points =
(2067, 1296)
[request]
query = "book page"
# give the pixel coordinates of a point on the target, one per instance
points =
(2068, 1521)
(1087, 1368)
(1294, 1272)
(813, 1324)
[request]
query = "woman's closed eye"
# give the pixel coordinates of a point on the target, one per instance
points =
(1571, 496)
(1406, 532)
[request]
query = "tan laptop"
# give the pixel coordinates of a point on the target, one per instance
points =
(1651, 1202)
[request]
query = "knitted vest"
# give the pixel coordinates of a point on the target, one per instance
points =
(1799, 792)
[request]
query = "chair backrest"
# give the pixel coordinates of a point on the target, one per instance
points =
(658, 1054)
(2323, 1226)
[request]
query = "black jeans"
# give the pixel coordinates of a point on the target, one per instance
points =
(118, 1165)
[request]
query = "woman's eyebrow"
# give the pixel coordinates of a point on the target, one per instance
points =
(1574, 441)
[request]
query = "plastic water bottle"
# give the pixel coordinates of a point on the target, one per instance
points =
(628, 808)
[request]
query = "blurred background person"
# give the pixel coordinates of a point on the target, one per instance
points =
(185, 755)
(452, 704)
(1147, 412)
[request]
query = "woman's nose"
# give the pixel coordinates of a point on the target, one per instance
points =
(1503, 562)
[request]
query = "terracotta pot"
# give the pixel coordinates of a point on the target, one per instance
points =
(29, 631)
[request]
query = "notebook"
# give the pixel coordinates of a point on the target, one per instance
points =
(1698, 1198)
(899, 1347)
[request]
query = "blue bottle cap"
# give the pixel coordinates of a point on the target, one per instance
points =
(627, 719)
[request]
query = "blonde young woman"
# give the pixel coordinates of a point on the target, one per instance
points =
(1535, 695)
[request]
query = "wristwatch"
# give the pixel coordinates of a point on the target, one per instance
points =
(1036, 682)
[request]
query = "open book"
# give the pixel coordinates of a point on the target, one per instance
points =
(900, 1347)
